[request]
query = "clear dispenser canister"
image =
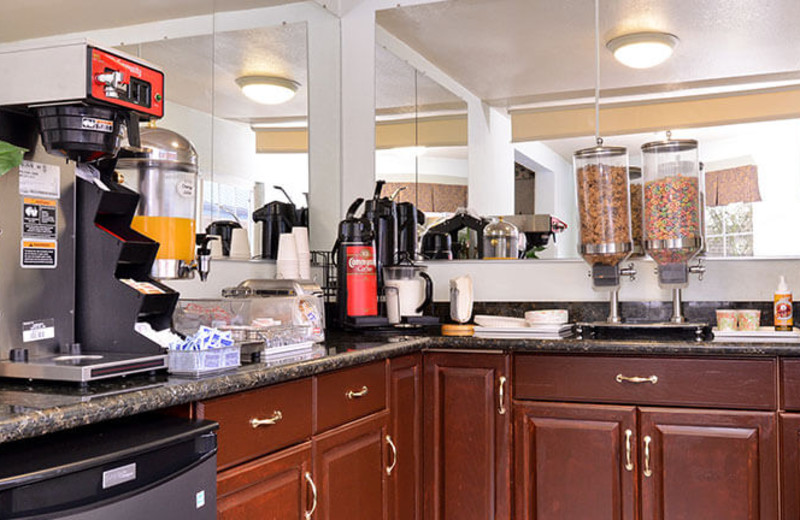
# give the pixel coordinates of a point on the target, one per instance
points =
(601, 175)
(673, 231)
(165, 175)
(637, 207)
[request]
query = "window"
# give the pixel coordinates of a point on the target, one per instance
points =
(729, 229)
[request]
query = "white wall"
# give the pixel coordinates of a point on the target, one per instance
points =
(568, 280)
(400, 165)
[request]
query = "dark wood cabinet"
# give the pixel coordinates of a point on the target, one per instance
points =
(271, 488)
(349, 470)
(708, 464)
(575, 462)
(467, 436)
(790, 466)
(405, 432)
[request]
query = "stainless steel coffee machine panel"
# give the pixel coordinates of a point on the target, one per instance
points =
(37, 254)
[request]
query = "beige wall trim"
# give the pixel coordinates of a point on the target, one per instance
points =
(430, 131)
(538, 125)
(399, 133)
(281, 140)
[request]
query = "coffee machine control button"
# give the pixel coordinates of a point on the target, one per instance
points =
(18, 355)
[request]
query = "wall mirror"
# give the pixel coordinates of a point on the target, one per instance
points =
(733, 90)
(238, 170)
(421, 137)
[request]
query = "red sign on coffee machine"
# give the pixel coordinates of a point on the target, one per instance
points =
(362, 281)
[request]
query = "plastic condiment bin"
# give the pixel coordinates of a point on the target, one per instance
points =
(196, 363)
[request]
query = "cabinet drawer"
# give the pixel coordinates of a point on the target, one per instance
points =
(790, 384)
(724, 383)
(349, 394)
(288, 405)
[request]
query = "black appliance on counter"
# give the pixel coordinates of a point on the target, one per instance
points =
(354, 255)
(67, 242)
(151, 466)
(408, 217)
(452, 226)
(278, 217)
(224, 230)
(382, 212)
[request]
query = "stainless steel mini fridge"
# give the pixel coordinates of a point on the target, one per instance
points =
(144, 467)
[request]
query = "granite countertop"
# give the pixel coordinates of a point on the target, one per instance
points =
(29, 409)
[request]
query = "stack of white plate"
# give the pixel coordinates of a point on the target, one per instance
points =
(503, 327)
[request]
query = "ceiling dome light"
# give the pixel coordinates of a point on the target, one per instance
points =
(643, 50)
(268, 90)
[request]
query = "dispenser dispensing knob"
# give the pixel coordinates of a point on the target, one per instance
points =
(699, 269)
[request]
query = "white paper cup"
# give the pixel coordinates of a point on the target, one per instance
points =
(287, 250)
(216, 247)
(304, 265)
(301, 240)
(287, 269)
(240, 245)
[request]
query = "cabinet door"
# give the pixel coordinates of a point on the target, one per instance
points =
(790, 465)
(405, 430)
(269, 488)
(467, 462)
(708, 464)
(349, 468)
(574, 461)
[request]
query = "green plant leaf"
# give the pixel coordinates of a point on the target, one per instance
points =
(10, 157)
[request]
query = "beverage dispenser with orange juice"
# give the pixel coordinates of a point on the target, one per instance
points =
(165, 174)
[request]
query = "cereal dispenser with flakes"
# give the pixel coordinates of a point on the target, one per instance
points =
(601, 175)
(673, 227)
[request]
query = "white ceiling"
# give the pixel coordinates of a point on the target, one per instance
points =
(511, 52)
(508, 52)
(23, 19)
(188, 64)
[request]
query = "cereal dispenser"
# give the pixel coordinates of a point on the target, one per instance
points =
(673, 228)
(605, 218)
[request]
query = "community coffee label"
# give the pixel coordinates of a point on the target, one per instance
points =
(362, 281)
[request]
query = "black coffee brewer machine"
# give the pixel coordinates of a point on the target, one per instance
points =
(276, 218)
(82, 274)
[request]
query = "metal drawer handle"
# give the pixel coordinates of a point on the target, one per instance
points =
(638, 380)
(648, 472)
(502, 396)
(313, 495)
(394, 456)
(276, 416)
(628, 463)
(355, 395)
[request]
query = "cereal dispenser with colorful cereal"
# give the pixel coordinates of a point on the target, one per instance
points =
(601, 175)
(673, 227)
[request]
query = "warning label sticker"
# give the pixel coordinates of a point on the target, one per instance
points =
(39, 254)
(39, 180)
(39, 218)
(38, 330)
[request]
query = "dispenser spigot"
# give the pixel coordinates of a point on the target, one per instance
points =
(629, 271)
(203, 261)
(699, 269)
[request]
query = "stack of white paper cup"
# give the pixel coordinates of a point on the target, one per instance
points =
(288, 265)
(303, 254)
